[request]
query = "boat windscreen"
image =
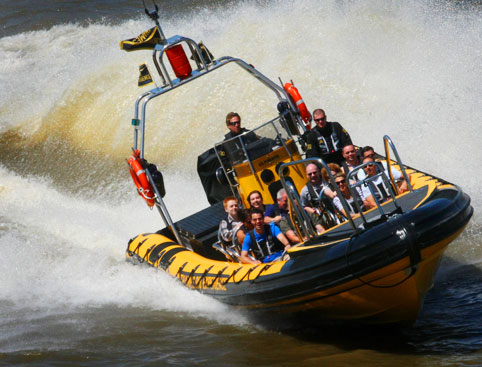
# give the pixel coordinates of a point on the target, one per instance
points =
(252, 144)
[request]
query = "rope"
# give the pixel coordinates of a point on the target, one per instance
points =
(148, 252)
(131, 253)
(244, 276)
(191, 273)
(412, 272)
(203, 276)
(232, 275)
(180, 269)
(159, 256)
(266, 267)
(216, 277)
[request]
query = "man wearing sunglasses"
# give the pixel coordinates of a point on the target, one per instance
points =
(233, 149)
(233, 122)
(326, 139)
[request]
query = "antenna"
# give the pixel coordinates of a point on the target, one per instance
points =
(153, 14)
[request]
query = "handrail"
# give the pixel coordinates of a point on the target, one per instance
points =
(294, 197)
(162, 209)
(366, 181)
(295, 203)
(278, 136)
(139, 123)
(139, 127)
(388, 143)
(158, 91)
(246, 153)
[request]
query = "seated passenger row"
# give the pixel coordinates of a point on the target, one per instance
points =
(277, 231)
(252, 231)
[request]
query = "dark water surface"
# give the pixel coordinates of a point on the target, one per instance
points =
(26, 15)
(68, 208)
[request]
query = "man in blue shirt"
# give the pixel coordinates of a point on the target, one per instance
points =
(266, 241)
(279, 210)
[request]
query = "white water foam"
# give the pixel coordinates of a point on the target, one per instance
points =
(63, 252)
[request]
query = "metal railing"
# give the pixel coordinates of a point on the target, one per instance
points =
(387, 142)
(355, 187)
(368, 182)
(295, 200)
(277, 137)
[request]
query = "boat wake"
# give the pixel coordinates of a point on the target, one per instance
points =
(64, 252)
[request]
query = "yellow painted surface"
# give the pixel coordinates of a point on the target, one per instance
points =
(249, 181)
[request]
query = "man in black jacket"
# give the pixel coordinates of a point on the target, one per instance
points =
(326, 139)
(233, 122)
(233, 149)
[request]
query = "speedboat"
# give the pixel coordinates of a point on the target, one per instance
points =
(373, 268)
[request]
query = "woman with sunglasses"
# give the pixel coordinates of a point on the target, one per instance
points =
(340, 179)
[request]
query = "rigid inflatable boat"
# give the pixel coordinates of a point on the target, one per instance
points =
(373, 268)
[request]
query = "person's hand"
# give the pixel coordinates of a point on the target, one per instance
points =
(309, 209)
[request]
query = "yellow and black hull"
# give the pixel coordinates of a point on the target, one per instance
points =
(378, 276)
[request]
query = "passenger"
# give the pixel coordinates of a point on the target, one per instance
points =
(266, 241)
(255, 200)
(232, 221)
(334, 169)
(326, 139)
(340, 179)
(279, 210)
(287, 227)
(351, 158)
(233, 149)
(367, 152)
(314, 187)
(382, 193)
(239, 234)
